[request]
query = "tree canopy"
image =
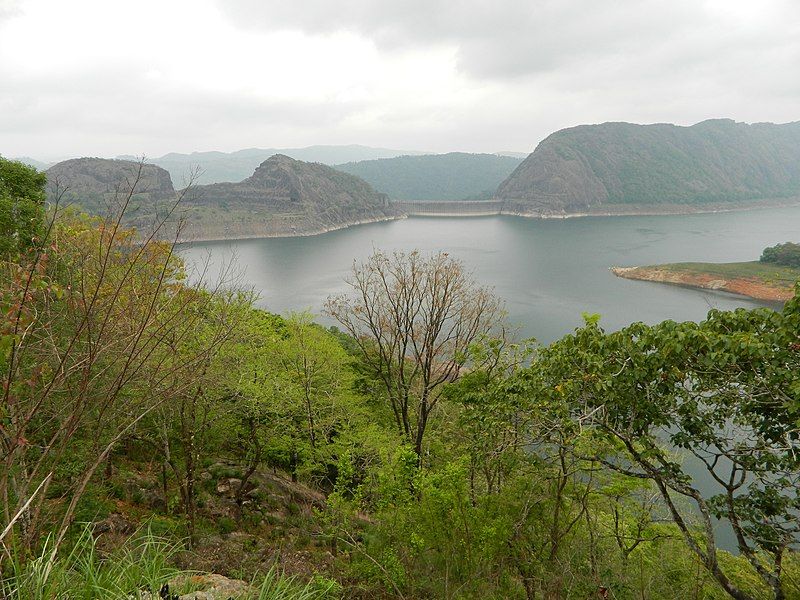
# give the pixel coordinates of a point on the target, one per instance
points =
(22, 195)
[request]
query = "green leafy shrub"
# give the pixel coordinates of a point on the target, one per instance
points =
(785, 255)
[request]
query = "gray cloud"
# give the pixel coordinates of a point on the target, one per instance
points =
(8, 9)
(118, 109)
(523, 70)
(513, 38)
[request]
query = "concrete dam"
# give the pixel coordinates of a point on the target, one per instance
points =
(446, 208)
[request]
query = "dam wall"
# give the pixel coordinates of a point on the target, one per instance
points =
(445, 208)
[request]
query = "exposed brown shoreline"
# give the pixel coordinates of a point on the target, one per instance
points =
(749, 287)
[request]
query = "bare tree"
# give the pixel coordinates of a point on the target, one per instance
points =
(414, 318)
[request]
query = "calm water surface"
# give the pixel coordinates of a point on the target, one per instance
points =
(548, 271)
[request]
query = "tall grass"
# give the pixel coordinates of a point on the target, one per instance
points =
(136, 570)
(140, 565)
(275, 586)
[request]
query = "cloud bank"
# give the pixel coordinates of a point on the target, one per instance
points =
(101, 78)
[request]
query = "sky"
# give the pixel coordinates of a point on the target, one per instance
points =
(107, 77)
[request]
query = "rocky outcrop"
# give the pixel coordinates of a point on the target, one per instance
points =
(100, 186)
(208, 587)
(283, 197)
(622, 168)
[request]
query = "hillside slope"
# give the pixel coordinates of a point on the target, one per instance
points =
(283, 197)
(621, 167)
(453, 176)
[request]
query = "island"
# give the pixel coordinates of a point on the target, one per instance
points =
(772, 278)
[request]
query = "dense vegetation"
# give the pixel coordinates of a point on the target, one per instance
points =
(418, 453)
(616, 166)
(785, 255)
(453, 176)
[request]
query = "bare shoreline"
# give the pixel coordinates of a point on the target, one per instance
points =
(748, 287)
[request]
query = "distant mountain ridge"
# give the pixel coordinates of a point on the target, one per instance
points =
(621, 167)
(452, 176)
(218, 167)
(32, 162)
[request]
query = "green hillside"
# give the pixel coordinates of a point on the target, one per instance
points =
(713, 162)
(453, 176)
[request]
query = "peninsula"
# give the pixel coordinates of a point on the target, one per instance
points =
(772, 278)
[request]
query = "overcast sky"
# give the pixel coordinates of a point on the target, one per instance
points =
(106, 77)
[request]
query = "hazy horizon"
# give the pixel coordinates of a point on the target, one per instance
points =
(103, 79)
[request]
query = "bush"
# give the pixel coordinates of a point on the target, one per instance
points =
(785, 255)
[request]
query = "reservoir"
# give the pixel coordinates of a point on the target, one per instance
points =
(548, 272)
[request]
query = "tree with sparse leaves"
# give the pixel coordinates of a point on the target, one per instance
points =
(414, 318)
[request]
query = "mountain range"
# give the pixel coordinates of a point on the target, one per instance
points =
(611, 168)
(218, 167)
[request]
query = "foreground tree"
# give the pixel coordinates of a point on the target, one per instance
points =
(414, 319)
(22, 195)
(91, 323)
(727, 391)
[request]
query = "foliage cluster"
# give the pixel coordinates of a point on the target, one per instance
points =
(785, 255)
(22, 195)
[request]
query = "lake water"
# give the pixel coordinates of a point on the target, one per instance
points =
(548, 271)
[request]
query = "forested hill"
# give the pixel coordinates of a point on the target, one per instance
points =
(284, 197)
(453, 176)
(622, 167)
(217, 167)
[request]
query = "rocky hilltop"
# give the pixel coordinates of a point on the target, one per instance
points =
(98, 186)
(622, 168)
(284, 197)
(452, 176)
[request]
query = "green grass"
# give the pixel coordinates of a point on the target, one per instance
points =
(763, 272)
(136, 570)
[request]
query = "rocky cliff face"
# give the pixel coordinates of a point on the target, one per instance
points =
(623, 168)
(284, 197)
(98, 186)
(92, 181)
